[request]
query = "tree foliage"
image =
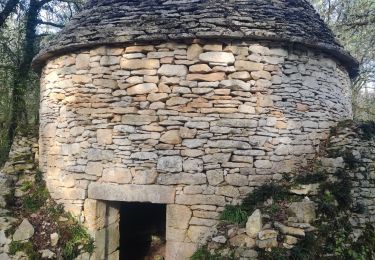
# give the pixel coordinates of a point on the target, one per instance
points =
(353, 22)
(24, 24)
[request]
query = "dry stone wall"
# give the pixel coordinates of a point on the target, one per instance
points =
(196, 126)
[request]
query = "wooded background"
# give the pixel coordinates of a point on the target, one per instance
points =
(26, 25)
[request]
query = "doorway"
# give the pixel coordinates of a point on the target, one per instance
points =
(142, 231)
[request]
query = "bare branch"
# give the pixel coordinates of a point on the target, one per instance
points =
(51, 24)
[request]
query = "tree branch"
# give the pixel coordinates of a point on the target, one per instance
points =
(8, 9)
(51, 24)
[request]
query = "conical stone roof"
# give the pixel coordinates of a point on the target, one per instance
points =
(104, 22)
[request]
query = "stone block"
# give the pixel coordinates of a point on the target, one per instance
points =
(178, 216)
(200, 199)
(199, 234)
(194, 51)
(217, 57)
(138, 64)
(170, 164)
(217, 76)
(131, 192)
(117, 175)
(82, 61)
(254, 224)
(248, 65)
(104, 136)
(141, 89)
(94, 168)
(173, 70)
(180, 250)
(145, 176)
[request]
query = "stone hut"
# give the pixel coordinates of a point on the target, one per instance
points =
(184, 105)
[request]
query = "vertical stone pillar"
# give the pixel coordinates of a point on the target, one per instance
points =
(103, 221)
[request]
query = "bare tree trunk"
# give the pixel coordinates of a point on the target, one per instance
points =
(20, 85)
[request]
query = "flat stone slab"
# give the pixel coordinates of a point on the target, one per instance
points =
(132, 193)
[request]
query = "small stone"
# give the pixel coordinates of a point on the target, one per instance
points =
(194, 51)
(193, 165)
(304, 211)
(267, 234)
(144, 156)
(302, 107)
(4, 256)
(140, 89)
(54, 239)
(46, 253)
(136, 64)
(24, 231)
(305, 189)
(289, 230)
(3, 238)
(242, 240)
(199, 68)
(218, 76)
(248, 65)
(104, 136)
(187, 132)
(242, 75)
(217, 57)
(117, 175)
(82, 61)
(171, 137)
(268, 243)
(261, 75)
(174, 101)
(220, 239)
(153, 97)
(290, 240)
(215, 177)
(173, 70)
(254, 224)
(170, 164)
(147, 176)
(263, 164)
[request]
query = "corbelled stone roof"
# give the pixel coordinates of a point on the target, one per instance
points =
(135, 21)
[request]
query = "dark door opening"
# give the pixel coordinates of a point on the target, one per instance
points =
(142, 231)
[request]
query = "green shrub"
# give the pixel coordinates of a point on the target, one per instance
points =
(75, 236)
(36, 199)
(26, 247)
(277, 192)
(204, 254)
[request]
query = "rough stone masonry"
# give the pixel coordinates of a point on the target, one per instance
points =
(195, 122)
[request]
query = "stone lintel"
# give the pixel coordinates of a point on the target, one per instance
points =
(132, 193)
